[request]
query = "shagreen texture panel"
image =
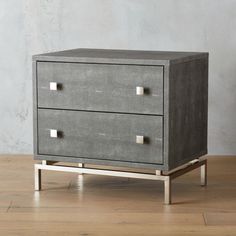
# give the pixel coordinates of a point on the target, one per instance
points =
(121, 107)
(101, 87)
(100, 135)
(188, 111)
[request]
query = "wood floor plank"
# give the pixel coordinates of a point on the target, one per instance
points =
(109, 218)
(102, 205)
(3, 209)
(220, 218)
(114, 229)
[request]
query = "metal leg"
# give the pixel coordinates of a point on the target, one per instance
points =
(204, 175)
(167, 177)
(81, 165)
(37, 179)
(167, 190)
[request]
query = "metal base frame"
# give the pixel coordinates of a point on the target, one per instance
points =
(166, 177)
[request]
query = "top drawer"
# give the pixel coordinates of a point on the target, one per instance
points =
(100, 87)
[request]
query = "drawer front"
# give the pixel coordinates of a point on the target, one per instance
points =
(100, 135)
(101, 87)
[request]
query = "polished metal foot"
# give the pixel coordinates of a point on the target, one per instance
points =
(203, 174)
(167, 190)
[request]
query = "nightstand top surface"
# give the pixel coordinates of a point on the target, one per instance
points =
(119, 56)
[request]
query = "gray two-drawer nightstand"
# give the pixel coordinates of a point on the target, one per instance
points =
(122, 108)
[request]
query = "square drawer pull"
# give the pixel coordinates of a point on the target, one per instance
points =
(53, 133)
(53, 86)
(139, 139)
(139, 90)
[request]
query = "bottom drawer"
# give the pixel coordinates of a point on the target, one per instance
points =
(97, 135)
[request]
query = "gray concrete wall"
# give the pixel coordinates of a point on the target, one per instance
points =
(35, 26)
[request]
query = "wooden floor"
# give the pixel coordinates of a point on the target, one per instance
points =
(95, 205)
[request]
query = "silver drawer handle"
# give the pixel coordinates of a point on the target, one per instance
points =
(139, 90)
(53, 86)
(53, 133)
(139, 139)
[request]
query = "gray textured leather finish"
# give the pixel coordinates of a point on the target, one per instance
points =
(98, 114)
(100, 135)
(101, 87)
